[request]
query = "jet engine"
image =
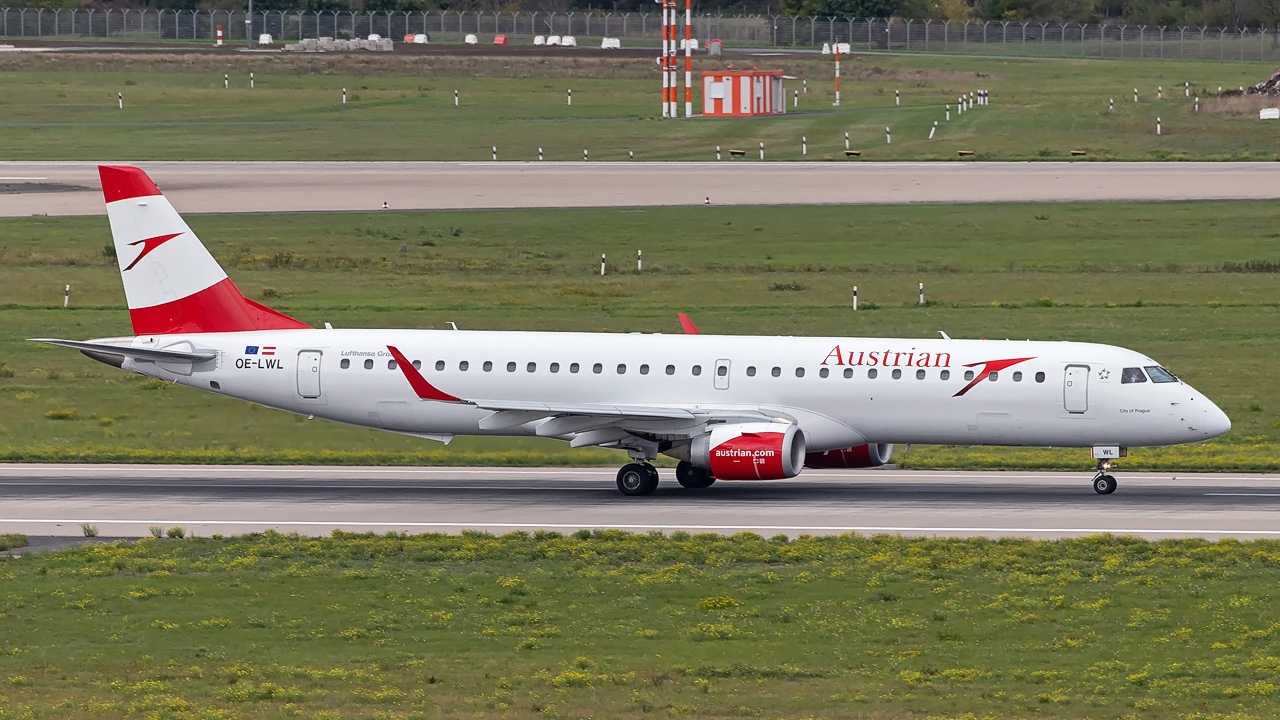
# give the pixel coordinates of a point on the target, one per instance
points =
(858, 456)
(750, 451)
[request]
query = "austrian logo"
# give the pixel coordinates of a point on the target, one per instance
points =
(916, 359)
(148, 245)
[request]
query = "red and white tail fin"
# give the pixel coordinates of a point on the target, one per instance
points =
(172, 283)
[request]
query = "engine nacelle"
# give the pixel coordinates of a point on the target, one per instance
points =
(750, 451)
(858, 456)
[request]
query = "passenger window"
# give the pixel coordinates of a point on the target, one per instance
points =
(346, 363)
(391, 364)
(573, 367)
(968, 375)
(1040, 377)
(368, 364)
(644, 369)
(751, 371)
(555, 367)
(1017, 376)
(1160, 375)
(417, 364)
(945, 375)
(696, 370)
(439, 365)
(511, 367)
(488, 366)
(597, 368)
(824, 372)
(722, 371)
(992, 377)
(871, 374)
(671, 369)
(776, 372)
(897, 374)
(799, 372)
(531, 367)
(919, 374)
(848, 372)
(622, 369)
(464, 365)
(1132, 375)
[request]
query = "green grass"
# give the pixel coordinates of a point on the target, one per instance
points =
(1159, 278)
(9, 541)
(629, 626)
(401, 108)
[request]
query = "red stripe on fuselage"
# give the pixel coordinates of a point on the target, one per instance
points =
(989, 367)
(218, 308)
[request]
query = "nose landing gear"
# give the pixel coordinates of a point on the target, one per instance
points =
(1103, 482)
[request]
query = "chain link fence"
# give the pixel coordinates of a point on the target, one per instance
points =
(1030, 39)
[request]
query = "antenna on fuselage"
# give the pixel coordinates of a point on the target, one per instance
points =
(453, 325)
(944, 335)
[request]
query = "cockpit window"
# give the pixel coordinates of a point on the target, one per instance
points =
(1160, 375)
(1133, 375)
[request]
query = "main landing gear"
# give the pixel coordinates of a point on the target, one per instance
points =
(641, 478)
(1104, 483)
(637, 479)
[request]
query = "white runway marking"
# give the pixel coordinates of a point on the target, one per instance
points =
(638, 526)
(1242, 494)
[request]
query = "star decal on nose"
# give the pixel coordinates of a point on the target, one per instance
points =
(148, 245)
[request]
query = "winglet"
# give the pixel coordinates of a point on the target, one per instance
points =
(424, 389)
(687, 324)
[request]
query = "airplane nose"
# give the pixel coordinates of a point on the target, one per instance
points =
(1216, 422)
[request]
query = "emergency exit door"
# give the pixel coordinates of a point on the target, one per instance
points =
(309, 373)
(1075, 389)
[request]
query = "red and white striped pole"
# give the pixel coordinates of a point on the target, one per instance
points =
(666, 61)
(219, 36)
(671, 64)
(837, 102)
(688, 58)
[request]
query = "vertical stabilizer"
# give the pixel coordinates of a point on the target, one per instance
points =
(172, 283)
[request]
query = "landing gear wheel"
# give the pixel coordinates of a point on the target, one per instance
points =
(1104, 484)
(637, 479)
(691, 477)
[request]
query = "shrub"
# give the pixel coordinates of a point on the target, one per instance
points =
(156, 531)
(9, 541)
(61, 414)
(177, 533)
(89, 530)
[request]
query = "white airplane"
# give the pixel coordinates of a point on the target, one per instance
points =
(727, 407)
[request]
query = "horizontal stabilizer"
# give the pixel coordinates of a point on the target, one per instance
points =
(132, 352)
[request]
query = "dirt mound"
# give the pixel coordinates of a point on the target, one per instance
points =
(1270, 86)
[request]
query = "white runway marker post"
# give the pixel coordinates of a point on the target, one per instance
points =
(959, 107)
(251, 82)
(455, 98)
(1187, 86)
(226, 81)
(584, 154)
(761, 151)
(601, 264)
(921, 293)
(569, 99)
(855, 298)
(804, 145)
(805, 86)
(933, 129)
(846, 140)
(120, 99)
(1157, 126)
(1135, 94)
(717, 152)
(639, 260)
(795, 98)
(539, 153)
(631, 154)
(948, 113)
(1159, 92)
(344, 96)
(1197, 103)
(1111, 106)
(66, 297)
(897, 97)
(495, 151)
(887, 137)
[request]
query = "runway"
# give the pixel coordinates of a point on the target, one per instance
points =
(125, 500)
(271, 187)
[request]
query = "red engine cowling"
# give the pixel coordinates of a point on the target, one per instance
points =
(858, 456)
(750, 451)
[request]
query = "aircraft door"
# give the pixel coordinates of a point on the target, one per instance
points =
(722, 375)
(1075, 389)
(309, 373)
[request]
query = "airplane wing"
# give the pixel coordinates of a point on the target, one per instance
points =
(585, 424)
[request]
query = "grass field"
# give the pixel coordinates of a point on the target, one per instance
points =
(630, 626)
(1192, 285)
(64, 106)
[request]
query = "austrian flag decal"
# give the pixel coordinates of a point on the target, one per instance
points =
(260, 350)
